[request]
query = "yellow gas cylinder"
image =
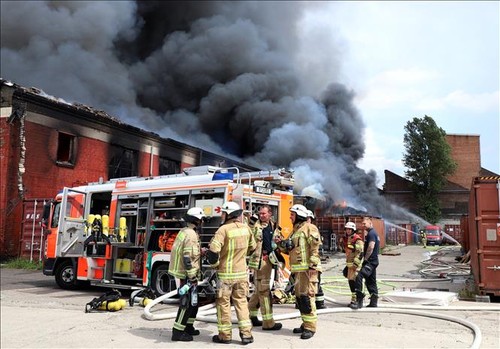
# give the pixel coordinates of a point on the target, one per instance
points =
(111, 306)
(145, 301)
(123, 229)
(90, 220)
(105, 224)
(123, 303)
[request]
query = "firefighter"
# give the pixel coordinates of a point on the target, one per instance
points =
(185, 264)
(423, 236)
(228, 250)
(303, 248)
(262, 262)
(369, 267)
(354, 255)
(320, 296)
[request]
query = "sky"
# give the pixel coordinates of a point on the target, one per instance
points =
(410, 59)
(323, 88)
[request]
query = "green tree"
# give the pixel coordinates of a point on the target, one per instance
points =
(428, 162)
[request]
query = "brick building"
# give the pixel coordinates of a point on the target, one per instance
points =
(46, 145)
(454, 197)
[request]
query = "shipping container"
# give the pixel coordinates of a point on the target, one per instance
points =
(402, 233)
(452, 234)
(31, 242)
(484, 234)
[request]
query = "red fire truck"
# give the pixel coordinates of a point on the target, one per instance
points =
(119, 233)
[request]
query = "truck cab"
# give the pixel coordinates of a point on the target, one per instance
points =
(434, 235)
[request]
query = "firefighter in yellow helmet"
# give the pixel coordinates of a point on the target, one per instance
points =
(423, 236)
(229, 247)
(185, 265)
(354, 256)
(303, 248)
(263, 261)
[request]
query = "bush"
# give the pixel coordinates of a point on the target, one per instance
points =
(20, 263)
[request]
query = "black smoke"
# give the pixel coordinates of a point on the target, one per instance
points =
(226, 76)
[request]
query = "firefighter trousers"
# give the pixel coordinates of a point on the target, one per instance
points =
(237, 292)
(305, 289)
(186, 313)
(262, 294)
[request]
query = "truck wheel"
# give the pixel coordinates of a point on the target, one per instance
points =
(161, 281)
(66, 276)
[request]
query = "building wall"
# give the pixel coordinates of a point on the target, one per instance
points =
(465, 150)
(10, 200)
(38, 121)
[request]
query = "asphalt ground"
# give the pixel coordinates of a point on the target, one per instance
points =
(35, 313)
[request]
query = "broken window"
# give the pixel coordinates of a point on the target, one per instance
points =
(66, 149)
(123, 162)
(169, 166)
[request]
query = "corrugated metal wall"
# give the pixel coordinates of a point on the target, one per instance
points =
(31, 243)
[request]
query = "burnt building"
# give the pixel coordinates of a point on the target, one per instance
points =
(47, 144)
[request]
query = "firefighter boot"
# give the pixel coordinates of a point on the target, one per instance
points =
(359, 301)
(373, 301)
(320, 305)
(181, 336)
(246, 340)
(298, 329)
(191, 330)
(306, 334)
(255, 321)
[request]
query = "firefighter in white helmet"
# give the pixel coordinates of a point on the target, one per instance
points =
(262, 262)
(303, 248)
(354, 256)
(228, 250)
(185, 264)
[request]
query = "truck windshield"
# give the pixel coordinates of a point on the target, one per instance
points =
(433, 232)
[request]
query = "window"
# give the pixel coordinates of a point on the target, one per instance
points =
(123, 162)
(169, 166)
(66, 149)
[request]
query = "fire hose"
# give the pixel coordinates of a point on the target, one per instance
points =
(207, 312)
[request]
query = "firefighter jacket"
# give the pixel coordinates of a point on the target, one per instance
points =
(354, 250)
(185, 256)
(260, 251)
(304, 253)
(233, 241)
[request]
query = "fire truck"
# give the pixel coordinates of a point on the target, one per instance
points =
(119, 233)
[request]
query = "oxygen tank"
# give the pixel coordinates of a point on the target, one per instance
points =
(90, 220)
(105, 224)
(113, 306)
(145, 301)
(123, 229)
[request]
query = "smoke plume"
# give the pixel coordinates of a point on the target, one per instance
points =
(225, 76)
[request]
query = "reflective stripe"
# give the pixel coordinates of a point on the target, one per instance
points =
(299, 267)
(309, 318)
(217, 244)
(225, 328)
(244, 323)
(237, 233)
(232, 276)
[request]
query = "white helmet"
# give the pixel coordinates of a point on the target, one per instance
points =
(310, 214)
(300, 210)
(232, 209)
(196, 212)
(350, 225)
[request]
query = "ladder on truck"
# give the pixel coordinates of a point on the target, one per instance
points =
(279, 178)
